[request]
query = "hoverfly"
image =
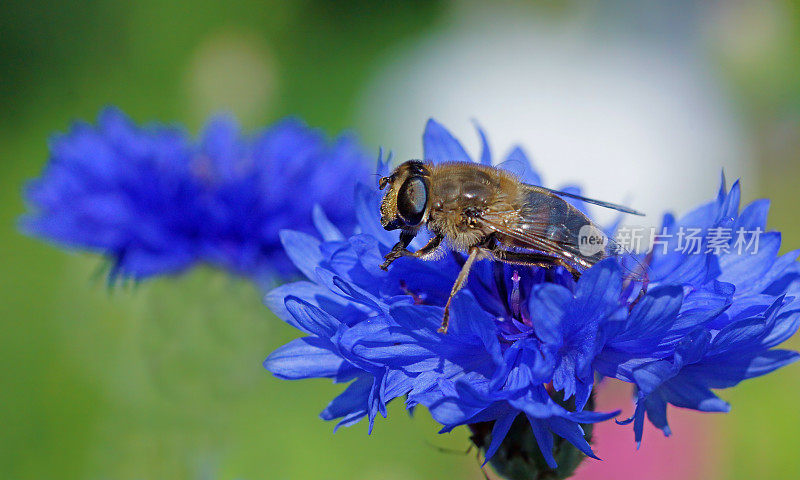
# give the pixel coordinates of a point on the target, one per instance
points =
(487, 213)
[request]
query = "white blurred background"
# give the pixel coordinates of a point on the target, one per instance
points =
(631, 112)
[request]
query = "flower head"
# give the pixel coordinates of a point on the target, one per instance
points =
(528, 342)
(714, 315)
(156, 202)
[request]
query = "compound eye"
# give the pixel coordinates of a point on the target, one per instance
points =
(412, 199)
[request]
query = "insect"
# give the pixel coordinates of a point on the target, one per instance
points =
(487, 213)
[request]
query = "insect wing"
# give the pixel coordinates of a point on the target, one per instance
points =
(599, 203)
(548, 224)
(552, 231)
(518, 165)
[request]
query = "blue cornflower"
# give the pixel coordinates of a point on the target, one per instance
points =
(528, 342)
(155, 201)
(713, 317)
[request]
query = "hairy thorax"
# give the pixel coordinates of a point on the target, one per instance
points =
(460, 196)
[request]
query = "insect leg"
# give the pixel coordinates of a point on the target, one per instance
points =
(533, 259)
(428, 248)
(460, 281)
(399, 250)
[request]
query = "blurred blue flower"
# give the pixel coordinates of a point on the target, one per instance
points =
(156, 202)
(527, 340)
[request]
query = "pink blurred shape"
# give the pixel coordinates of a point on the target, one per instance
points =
(691, 452)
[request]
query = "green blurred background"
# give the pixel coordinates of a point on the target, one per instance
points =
(164, 380)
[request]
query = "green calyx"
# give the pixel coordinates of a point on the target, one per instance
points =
(519, 456)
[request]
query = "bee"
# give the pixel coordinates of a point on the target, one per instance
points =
(487, 213)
